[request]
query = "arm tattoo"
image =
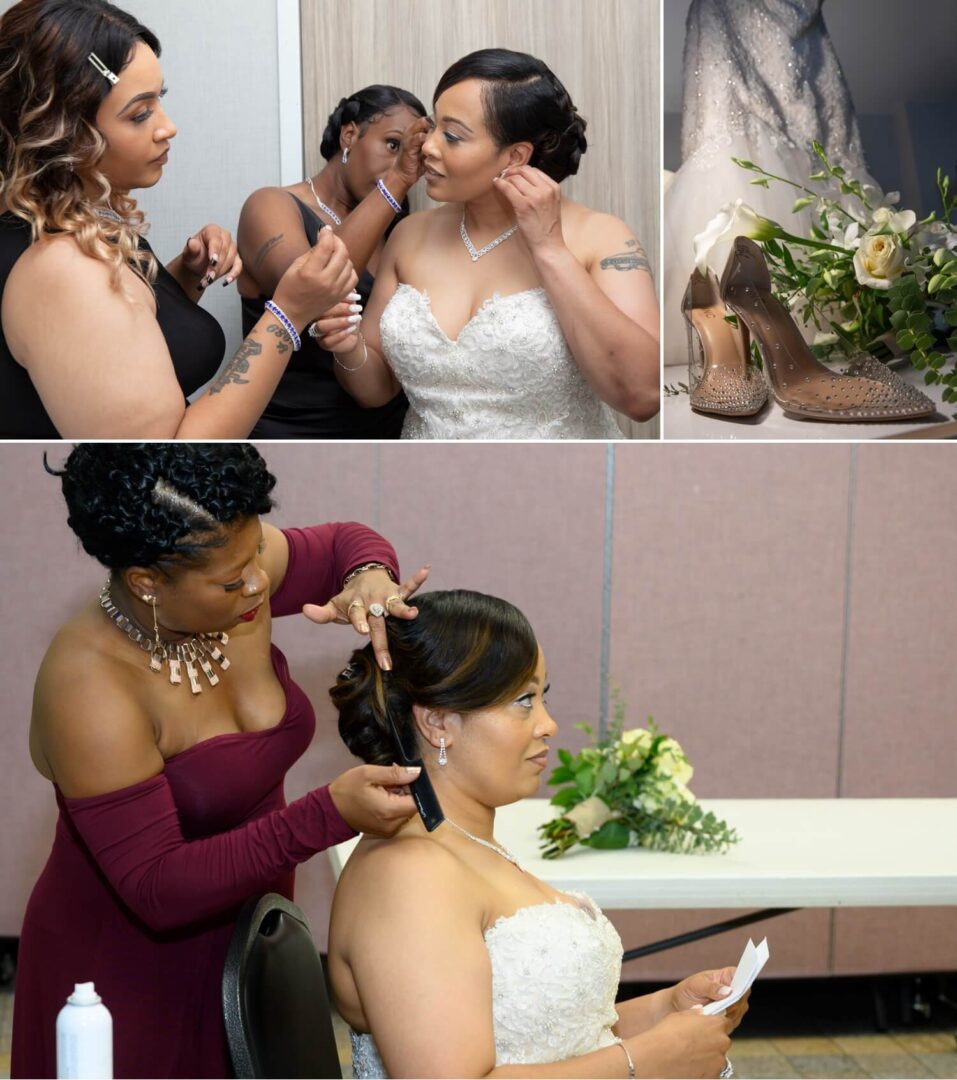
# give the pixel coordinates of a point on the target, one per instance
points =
(234, 369)
(628, 260)
(283, 345)
(265, 249)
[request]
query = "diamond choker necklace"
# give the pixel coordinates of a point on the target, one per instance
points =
(476, 254)
(196, 650)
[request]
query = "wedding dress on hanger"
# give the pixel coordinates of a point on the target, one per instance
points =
(761, 82)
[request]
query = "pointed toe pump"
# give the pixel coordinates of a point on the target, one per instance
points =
(799, 382)
(721, 376)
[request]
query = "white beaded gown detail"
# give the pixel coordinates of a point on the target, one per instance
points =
(762, 81)
(555, 974)
(508, 375)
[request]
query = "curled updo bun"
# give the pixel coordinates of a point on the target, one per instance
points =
(362, 107)
(147, 504)
(463, 652)
(524, 102)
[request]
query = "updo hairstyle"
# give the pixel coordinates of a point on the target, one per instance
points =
(463, 652)
(362, 108)
(524, 102)
(161, 504)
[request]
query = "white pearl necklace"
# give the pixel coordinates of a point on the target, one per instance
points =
(487, 843)
(477, 254)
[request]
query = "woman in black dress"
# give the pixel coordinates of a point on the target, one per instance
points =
(373, 137)
(98, 339)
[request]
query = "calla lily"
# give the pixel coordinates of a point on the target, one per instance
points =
(733, 219)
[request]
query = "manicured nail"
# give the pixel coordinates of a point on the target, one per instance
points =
(355, 307)
(354, 297)
(412, 770)
(354, 319)
(724, 991)
(214, 261)
(363, 628)
(385, 663)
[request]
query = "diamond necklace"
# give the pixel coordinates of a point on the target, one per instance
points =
(322, 206)
(487, 843)
(194, 650)
(477, 254)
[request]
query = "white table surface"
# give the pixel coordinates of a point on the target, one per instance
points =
(793, 853)
(680, 421)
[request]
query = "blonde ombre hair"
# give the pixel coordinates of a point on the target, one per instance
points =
(50, 147)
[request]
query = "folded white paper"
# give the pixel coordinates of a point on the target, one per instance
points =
(749, 967)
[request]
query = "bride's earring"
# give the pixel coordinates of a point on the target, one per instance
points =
(345, 155)
(443, 756)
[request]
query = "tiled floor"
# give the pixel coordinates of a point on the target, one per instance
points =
(911, 1056)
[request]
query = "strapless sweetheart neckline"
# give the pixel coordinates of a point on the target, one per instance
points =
(495, 298)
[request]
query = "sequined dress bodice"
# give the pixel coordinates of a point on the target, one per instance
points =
(555, 973)
(764, 68)
(508, 375)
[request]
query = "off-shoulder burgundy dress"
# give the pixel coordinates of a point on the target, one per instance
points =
(142, 887)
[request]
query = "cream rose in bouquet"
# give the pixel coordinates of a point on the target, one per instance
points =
(630, 790)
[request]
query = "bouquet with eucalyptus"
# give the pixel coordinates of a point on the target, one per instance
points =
(630, 789)
(868, 277)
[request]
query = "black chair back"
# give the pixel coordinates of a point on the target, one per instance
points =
(278, 1020)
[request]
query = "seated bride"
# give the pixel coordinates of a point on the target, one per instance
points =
(510, 312)
(446, 958)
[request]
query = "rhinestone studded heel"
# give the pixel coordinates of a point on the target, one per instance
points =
(801, 385)
(721, 377)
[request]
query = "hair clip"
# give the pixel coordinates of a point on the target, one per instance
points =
(348, 672)
(102, 68)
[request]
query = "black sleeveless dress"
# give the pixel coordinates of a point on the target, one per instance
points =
(309, 403)
(194, 338)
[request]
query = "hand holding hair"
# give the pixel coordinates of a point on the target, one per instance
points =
(375, 799)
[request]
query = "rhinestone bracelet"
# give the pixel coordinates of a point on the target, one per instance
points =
(283, 318)
(354, 573)
(388, 196)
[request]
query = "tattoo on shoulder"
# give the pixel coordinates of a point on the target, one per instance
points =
(238, 366)
(628, 260)
(283, 345)
(266, 248)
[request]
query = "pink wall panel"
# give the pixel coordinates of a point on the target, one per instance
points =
(871, 941)
(728, 600)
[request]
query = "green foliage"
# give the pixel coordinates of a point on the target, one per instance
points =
(639, 778)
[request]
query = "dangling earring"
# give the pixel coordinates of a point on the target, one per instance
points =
(443, 756)
(148, 598)
(345, 155)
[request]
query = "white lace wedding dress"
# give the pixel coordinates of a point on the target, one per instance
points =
(761, 82)
(555, 973)
(508, 375)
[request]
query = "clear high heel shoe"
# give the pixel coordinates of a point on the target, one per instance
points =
(799, 382)
(721, 376)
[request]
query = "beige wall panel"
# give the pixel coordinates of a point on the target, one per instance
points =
(871, 941)
(728, 601)
(604, 51)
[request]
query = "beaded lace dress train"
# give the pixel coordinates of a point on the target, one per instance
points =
(508, 375)
(761, 82)
(555, 973)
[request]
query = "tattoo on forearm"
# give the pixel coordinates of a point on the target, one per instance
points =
(237, 367)
(628, 260)
(284, 344)
(266, 248)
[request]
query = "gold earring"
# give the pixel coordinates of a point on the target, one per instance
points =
(148, 598)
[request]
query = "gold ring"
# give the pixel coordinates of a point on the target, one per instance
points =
(392, 599)
(355, 603)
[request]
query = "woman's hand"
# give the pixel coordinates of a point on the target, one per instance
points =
(338, 330)
(685, 1044)
(211, 254)
(375, 799)
(705, 986)
(409, 166)
(537, 202)
(353, 603)
(316, 281)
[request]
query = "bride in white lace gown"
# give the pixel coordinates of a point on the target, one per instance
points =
(509, 312)
(446, 958)
(761, 82)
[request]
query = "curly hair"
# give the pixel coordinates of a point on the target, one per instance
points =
(524, 101)
(464, 651)
(49, 143)
(362, 108)
(160, 504)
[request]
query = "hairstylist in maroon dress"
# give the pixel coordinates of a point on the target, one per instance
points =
(171, 801)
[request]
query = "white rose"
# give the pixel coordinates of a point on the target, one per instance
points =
(589, 815)
(673, 763)
(825, 339)
(733, 219)
(879, 260)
